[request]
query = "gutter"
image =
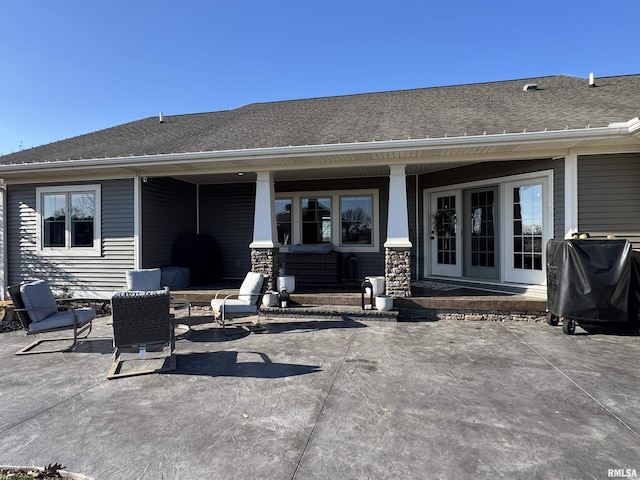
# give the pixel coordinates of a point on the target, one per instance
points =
(631, 127)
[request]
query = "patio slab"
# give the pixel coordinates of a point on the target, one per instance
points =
(333, 399)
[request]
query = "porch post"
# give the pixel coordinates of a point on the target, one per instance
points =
(570, 195)
(265, 248)
(397, 262)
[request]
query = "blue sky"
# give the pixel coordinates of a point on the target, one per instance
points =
(69, 67)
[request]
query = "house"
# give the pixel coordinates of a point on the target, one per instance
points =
(464, 182)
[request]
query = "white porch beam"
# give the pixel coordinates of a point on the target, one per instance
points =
(398, 218)
(570, 195)
(264, 220)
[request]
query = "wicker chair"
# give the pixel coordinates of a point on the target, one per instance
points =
(39, 312)
(141, 320)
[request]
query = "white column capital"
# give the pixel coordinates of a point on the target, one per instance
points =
(264, 220)
(398, 215)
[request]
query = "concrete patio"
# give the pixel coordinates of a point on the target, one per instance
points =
(334, 399)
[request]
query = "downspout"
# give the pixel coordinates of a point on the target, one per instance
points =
(198, 209)
(3, 239)
(417, 201)
(137, 222)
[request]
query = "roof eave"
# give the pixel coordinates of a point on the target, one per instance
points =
(536, 140)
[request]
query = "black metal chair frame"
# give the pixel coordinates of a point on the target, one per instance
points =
(79, 329)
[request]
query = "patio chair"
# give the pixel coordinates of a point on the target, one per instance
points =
(39, 312)
(247, 300)
(142, 323)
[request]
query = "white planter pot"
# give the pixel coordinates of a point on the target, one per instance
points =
(378, 285)
(384, 302)
(270, 299)
(288, 283)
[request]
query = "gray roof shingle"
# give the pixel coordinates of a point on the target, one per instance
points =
(472, 109)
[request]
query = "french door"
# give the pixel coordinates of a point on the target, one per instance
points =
(481, 239)
(446, 234)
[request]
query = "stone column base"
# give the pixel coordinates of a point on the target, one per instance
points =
(266, 261)
(397, 271)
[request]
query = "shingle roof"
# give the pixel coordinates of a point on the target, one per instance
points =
(472, 109)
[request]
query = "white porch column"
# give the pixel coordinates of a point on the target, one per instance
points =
(265, 248)
(570, 195)
(398, 219)
(264, 219)
(397, 252)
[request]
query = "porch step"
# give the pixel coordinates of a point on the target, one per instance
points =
(329, 312)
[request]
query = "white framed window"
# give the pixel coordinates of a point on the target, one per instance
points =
(68, 220)
(348, 219)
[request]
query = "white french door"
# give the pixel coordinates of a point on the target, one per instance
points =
(528, 228)
(446, 233)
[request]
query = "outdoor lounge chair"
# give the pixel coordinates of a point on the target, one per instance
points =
(142, 323)
(39, 312)
(247, 299)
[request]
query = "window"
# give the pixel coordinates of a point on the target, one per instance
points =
(316, 220)
(348, 219)
(69, 219)
(283, 220)
(356, 219)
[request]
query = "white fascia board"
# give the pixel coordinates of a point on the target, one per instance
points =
(471, 141)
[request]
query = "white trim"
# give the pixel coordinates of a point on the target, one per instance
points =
(3, 240)
(137, 224)
(296, 232)
(570, 195)
(69, 251)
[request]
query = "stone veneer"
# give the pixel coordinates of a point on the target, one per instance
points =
(266, 261)
(397, 271)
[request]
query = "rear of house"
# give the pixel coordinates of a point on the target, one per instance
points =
(464, 182)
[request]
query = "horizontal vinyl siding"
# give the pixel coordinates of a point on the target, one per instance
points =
(226, 214)
(168, 210)
(84, 276)
(609, 196)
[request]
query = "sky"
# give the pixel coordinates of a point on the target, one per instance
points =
(70, 67)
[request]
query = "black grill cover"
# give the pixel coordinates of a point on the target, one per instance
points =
(588, 280)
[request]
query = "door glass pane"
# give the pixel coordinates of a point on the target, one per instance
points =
(356, 220)
(482, 229)
(444, 229)
(283, 220)
(54, 218)
(316, 220)
(527, 222)
(82, 216)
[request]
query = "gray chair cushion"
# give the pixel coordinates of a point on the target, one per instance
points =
(251, 288)
(233, 305)
(145, 279)
(38, 299)
(62, 319)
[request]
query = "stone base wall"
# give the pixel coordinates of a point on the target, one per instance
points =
(397, 272)
(266, 261)
(434, 314)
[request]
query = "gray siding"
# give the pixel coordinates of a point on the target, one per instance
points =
(609, 196)
(84, 276)
(168, 210)
(226, 214)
